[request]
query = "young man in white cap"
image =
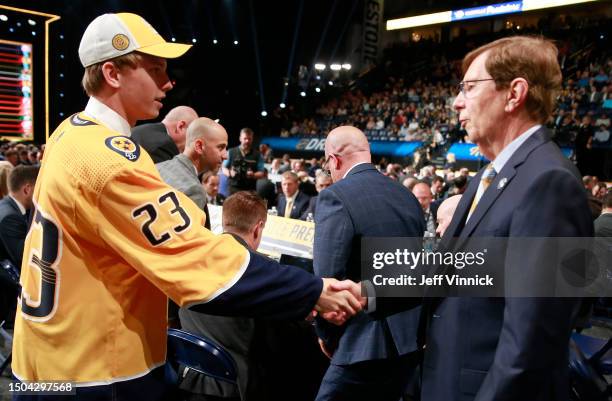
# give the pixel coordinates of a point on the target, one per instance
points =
(110, 241)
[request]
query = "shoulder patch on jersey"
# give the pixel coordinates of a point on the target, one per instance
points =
(124, 146)
(78, 121)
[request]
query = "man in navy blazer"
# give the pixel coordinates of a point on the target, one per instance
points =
(166, 139)
(14, 210)
(291, 194)
(493, 349)
(371, 356)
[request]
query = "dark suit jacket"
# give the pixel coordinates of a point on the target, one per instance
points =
(235, 335)
(267, 190)
(603, 225)
(312, 207)
(13, 230)
(364, 204)
(155, 139)
(217, 200)
(509, 348)
(299, 205)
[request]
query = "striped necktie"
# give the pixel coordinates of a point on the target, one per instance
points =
(487, 178)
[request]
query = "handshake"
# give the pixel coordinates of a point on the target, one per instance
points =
(339, 300)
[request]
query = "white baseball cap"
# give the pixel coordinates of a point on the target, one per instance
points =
(113, 35)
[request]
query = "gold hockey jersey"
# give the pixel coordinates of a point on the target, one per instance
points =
(109, 242)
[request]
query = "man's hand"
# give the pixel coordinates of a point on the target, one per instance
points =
(339, 318)
(354, 288)
(345, 301)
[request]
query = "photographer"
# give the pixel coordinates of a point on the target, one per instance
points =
(244, 165)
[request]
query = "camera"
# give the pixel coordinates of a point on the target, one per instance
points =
(241, 167)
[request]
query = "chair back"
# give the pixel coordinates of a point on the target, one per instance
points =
(587, 384)
(200, 354)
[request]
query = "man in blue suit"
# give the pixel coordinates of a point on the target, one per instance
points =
(493, 349)
(371, 357)
(293, 202)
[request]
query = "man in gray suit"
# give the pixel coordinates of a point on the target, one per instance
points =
(166, 139)
(205, 151)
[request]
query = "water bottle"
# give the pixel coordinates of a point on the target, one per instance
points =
(429, 241)
(273, 211)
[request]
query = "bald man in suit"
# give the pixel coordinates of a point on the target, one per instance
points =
(166, 139)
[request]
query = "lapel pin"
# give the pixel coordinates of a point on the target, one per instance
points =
(502, 183)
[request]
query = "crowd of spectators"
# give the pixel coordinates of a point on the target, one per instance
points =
(413, 100)
(13, 154)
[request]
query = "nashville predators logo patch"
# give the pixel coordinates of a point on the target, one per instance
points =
(120, 41)
(124, 146)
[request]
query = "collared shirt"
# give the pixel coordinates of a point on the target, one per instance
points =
(107, 116)
(499, 163)
(351, 169)
(505, 155)
(292, 199)
(430, 224)
(22, 209)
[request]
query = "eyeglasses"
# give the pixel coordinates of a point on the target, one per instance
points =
(324, 167)
(465, 87)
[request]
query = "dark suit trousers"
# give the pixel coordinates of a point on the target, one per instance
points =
(380, 380)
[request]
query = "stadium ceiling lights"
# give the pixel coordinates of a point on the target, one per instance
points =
(478, 12)
(320, 67)
(335, 67)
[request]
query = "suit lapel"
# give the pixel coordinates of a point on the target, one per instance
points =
(491, 194)
(502, 181)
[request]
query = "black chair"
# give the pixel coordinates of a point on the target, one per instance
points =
(597, 351)
(200, 354)
(587, 383)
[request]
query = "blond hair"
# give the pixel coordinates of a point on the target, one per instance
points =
(93, 78)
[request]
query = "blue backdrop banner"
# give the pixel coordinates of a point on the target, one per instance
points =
(317, 145)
